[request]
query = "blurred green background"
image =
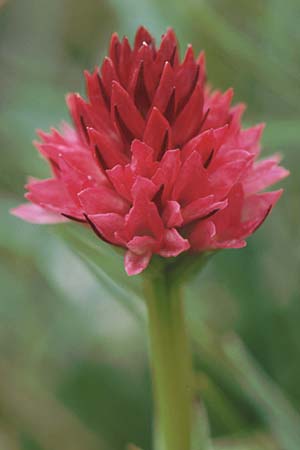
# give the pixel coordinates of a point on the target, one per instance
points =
(73, 367)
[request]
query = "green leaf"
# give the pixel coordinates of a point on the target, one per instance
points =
(240, 45)
(201, 439)
(275, 409)
(107, 265)
(252, 442)
(129, 301)
(38, 413)
(133, 447)
(217, 403)
(103, 255)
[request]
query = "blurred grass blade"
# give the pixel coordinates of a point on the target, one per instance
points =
(275, 409)
(201, 431)
(102, 255)
(251, 442)
(157, 436)
(239, 44)
(41, 415)
(217, 402)
(133, 447)
(9, 438)
(129, 301)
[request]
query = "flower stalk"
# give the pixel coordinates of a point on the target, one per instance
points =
(171, 362)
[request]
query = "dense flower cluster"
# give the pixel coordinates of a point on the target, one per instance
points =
(156, 162)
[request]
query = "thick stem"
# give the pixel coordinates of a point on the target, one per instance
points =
(171, 363)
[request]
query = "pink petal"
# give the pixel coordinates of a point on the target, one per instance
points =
(137, 88)
(108, 225)
(141, 244)
(147, 79)
(168, 172)
(234, 243)
(73, 180)
(235, 116)
(135, 264)
(228, 220)
(84, 163)
(125, 60)
(69, 134)
(263, 174)
(51, 138)
(36, 214)
(187, 186)
(201, 61)
(53, 195)
(144, 219)
(202, 208)
(188, 121)
(96, 92)
(227, 175)
(164, 89)
(202, 235)
(172, 216)
(108, 148)
(109, 75)
(142, 35)
(167, 50)
(114, 49)
(243, 217)
(157, 133)
(142, 159)
(218, 105)
(125, 114)
(256, 207)
(187, 77)
(122, 179)
(205, 142)
(250, 139)
(102, 200)
(143, 188)
(173, 244)
(82, 115)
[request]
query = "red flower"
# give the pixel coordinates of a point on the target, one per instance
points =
(156, 163)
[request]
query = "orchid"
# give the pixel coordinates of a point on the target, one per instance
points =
(157, 164)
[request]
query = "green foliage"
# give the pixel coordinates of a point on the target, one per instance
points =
(73, 366)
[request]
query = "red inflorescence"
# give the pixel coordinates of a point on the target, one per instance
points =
(156, 163)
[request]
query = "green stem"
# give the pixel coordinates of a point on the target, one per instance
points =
(171, 363)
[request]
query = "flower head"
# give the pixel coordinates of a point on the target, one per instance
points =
(156, 162)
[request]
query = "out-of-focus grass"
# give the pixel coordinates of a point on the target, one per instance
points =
(73, 360)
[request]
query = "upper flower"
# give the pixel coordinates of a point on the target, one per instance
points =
(156, 162)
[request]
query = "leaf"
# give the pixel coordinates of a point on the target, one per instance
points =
(133, 304)
(101, 254)
(157, 436)
(133, 447)
(201, 431)
(276, 411)
(246, 51)
(237, 371)
(251, 442)
(41, 415)
(217, 403)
